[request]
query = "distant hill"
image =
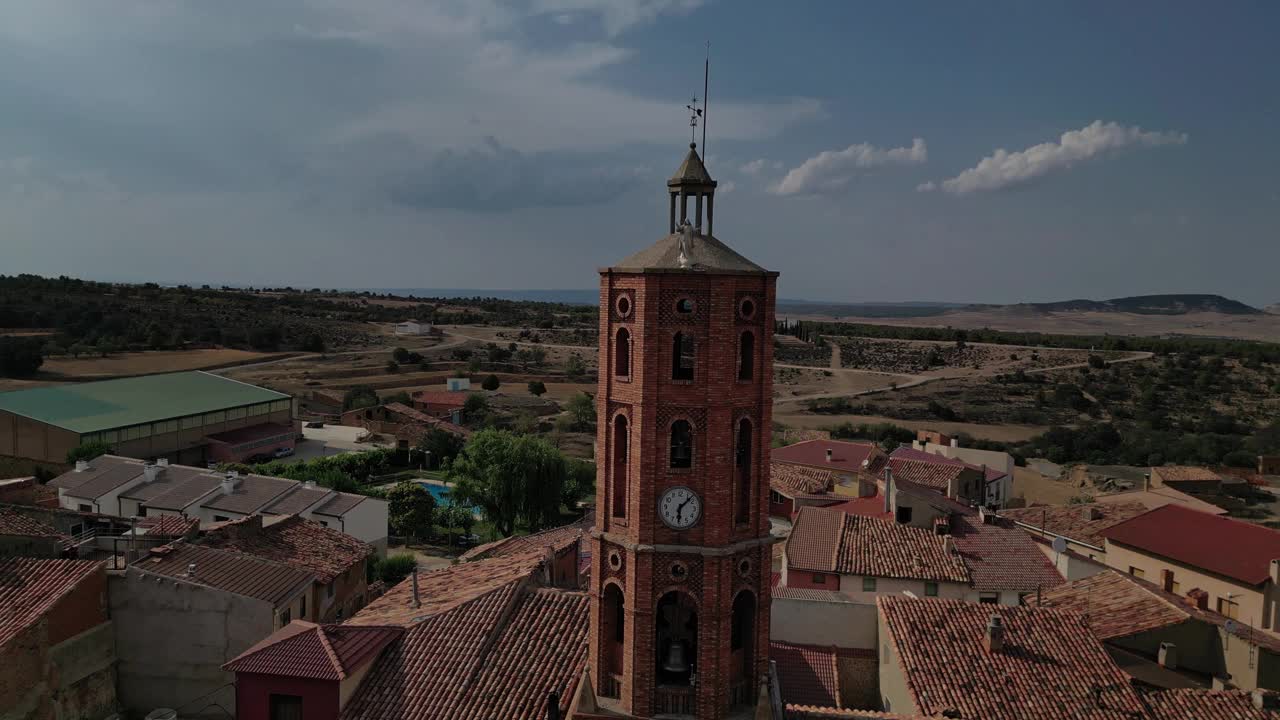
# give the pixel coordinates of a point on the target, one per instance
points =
(1153, 305)
(1273, 308)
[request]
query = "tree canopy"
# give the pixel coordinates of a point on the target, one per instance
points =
(20, 356)
(412, 509)
(516, 480)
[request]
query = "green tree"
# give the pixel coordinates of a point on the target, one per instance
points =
(575, 367)
(403, 397)
(360, 396)
(475, 406)
(392, 569)
(490, 382)
(20, 356)
(88, 451)
(442, 444)
(582, 408)
(455, 517)
(411, 509)
(525, 423)
(537, 387)
(537, 356)
(393, 366)
(475, 364)
(516, 480)
(400, 355)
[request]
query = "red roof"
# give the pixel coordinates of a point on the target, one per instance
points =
(845, 456)
(825, 540)
(556, 539)
(871, 506)
(294, 541)
(808, 674)
(1002, 557)
(13, 522)
(441, 397)
(1081, 523)
(319, 652)
(798, 480)
(1197, 704)
(167, 526)
(30, 587)
(933, 475)
(1048, 668)
(1231, 548)
(227, 570)
(440, 591)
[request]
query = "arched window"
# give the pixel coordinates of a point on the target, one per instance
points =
(622, 354)
(746, 356)
(676, 639)
(742, 468)
(741, 636)
(621, 466)
(613, 622)
(681, 444)
(682, 357)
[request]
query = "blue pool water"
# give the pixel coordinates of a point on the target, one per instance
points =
(439, 492)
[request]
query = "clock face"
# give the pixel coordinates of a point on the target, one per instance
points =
(680, 508)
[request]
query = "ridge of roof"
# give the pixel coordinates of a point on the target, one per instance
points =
(1220, 545)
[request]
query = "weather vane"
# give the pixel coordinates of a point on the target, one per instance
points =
(694, 114)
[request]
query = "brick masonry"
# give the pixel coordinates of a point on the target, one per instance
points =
(721, 558)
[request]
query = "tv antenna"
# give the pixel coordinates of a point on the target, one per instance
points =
(695, 112)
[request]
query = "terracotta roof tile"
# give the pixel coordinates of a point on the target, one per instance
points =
(1159, 497)
(1002, 557)
(1073, 521)
(1047, 669)
(830, 541)
(557, 539)
(1197, 704)
(934, 475)
(340, 504)
(807, 673)
(442, 590)
(226, 570)
(167, 526)
(441, 397)
(30, 587)
(13, 522)
(845, 456)
(1186, 473)
(812, 712)
(319, 652)
(792, 480)
(293, 541)
(783, 592)
(1231, 548)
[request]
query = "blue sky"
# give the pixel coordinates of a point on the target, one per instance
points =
(992, 152)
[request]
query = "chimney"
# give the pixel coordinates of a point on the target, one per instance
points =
(191, 569)
(1168, 657)
(162, 462)
(1166, 579)
(83, 466)
(151, 470)
(1146, 482)
(1198, 598)
(942, 525)
(1275, 572)
(1220, 682)
(309, 484)
(994, 639)
(417, 603)
(955, 442)
(828, 454)
(948, 545)
(229, 482)
(1090, 513)
(1265, 700)
(987, 517)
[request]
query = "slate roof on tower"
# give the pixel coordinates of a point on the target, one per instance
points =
(692, 171)
(705, 254)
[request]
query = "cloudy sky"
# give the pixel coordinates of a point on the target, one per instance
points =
(993, 152)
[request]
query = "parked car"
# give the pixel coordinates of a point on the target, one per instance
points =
(283, 452)
(314, 424)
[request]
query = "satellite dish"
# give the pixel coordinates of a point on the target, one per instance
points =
(1229, 626)
(1059, 544)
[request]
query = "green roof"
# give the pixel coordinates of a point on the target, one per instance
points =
(109, 404)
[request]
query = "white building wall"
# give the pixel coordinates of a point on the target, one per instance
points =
(851, 585)
(366, 521)
(824, 623)
(998, 492)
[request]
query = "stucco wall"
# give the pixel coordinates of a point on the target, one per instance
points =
(253, 696)
(894, 695)
(851, 585)
(367, 521)
(172, 638)
(813, 622)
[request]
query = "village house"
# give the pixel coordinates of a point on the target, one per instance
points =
(185, 610)
(856, 466)
(1193, 479)
(444, 404)
(23, 536)
(1237, 564)
(998, 465)
(57, 640)
(414, 328)
(1167, 639)
(1080, 528)
(408, 425)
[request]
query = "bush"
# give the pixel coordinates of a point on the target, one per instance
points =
(20, 356)
(358, 397)
(88, 451)
(490, 382)
(393, 366)
(537, 388)
(393, 568)
(1096, 362)
(400, 355)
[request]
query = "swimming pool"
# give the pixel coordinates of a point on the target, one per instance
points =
(439, 492)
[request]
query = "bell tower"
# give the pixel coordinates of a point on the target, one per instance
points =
(681, 550)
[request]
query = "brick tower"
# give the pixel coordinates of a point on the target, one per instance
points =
(681, 557)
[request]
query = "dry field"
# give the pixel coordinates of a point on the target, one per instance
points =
(1002, 433)
(56, 370)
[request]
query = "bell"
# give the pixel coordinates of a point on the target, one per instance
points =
(676, 662)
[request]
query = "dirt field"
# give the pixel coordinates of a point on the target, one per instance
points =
(793, 384)
(1245, 327)
(57, 370)
(1003, 433)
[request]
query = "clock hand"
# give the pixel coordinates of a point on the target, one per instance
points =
(680, 509)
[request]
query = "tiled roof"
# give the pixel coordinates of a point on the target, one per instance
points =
(1186, 473)
(13, 522)
(1073, 522)
(1002, 557)
(1047, 670)
(29, 587)
(1118, 605)
(830, 541)
(441, 397)
(302, 497)
(1159, 497)
(496, 655)
(185, 493)
(1197, 704)
(808, 674)
(319, 652)
(104, 480)
(340, 504)
(1231, 548)
(98, 466)
(557, 539)
(167, 526)
(792, 480)
(294, 541)
(250, 494)
(934, 475)
(871, 506)
(169, 478)
(845, 456)
(408, 412)
(813, 712)
(226, 570)
(442, 590)
(909, 453)
(784, 592)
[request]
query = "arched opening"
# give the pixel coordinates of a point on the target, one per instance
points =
(681, 444)
(746, 356)
(676, 640)
(742, 642)
(612, 628)
(742, 471)
(682, 357)
(621, 466)
(622, 353)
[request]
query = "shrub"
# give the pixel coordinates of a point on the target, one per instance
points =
(490, 382)
(393, 568)
(537, 387)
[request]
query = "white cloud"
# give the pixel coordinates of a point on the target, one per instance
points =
(755, 167)
(831, 170)
(1004, 169)
(926, 186)
(617, 16)
(726, 187)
